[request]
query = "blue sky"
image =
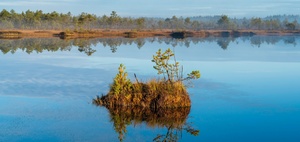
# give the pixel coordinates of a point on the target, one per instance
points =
(160, 8)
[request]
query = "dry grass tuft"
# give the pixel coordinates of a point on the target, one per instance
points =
(168, 92)
(152, 94)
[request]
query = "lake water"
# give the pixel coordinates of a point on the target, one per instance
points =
(249, 89)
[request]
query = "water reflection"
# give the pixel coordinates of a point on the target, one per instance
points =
(224, 42)
(87, 46)
(173, 120)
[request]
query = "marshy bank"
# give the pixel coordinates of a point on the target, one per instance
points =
(10, 34)
(106, 33)
(16, 34)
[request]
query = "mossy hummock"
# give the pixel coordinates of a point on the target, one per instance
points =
(152, 94)
(168, 92)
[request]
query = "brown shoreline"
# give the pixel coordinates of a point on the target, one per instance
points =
(101, 33)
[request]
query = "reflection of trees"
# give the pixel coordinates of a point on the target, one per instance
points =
(172, 119)
(258, 40)
(140, 43)
(290, 40)
(224, 42)
(84, 45)
(114, 43)
(39, 45)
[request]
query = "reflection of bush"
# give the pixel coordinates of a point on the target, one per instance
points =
(164, 117)
(173, 119)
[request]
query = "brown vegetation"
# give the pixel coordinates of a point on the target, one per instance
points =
(169, 92)
(27, 33)
(10, 34)
(152, 94)
(139, 33)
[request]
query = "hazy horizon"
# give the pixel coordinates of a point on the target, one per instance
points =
(160, 8)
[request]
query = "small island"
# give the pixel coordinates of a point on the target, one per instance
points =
(167, 92)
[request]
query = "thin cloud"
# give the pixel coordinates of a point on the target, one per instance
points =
(25, 3)
(10, 3)
(33, 2)
(189, 8)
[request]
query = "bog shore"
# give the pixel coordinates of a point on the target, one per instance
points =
(107, 33)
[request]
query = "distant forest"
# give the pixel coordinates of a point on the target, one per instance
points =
(38, 20)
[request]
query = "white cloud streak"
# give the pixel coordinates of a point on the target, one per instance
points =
(34, 2)
(189, 8)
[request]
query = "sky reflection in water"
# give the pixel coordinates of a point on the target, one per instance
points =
(248, 91)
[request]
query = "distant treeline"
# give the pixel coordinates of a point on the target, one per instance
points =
(87, 46)
(61, 21)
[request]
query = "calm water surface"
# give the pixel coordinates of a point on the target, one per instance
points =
(249, 89)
